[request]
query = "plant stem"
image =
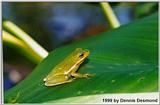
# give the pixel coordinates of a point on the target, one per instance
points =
(21, 47)
(113, 21)
(32, 44)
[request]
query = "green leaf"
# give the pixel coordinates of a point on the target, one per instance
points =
(124, 60)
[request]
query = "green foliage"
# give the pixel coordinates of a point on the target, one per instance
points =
(124, 60)
(144, 9)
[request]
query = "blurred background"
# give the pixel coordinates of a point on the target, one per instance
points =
(54, 25)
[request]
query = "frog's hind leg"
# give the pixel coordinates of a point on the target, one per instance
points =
(54, 84)
(57, 80)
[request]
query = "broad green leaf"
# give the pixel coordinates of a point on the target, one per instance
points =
(124, 60)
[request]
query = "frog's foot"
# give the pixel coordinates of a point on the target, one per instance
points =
(78, 75)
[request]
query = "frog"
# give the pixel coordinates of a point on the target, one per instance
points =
(66, 70)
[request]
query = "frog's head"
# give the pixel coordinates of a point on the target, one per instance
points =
(80, 54)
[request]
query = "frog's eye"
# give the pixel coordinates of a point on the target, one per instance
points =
(81, 55)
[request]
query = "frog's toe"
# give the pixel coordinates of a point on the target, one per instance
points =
(88, 75)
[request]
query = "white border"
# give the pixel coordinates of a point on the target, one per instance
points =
(80, 0)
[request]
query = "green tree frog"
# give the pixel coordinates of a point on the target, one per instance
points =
(66, 71)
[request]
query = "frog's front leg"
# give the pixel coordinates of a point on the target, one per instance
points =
(79, 75)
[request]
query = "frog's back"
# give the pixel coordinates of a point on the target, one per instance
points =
(62, 67)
